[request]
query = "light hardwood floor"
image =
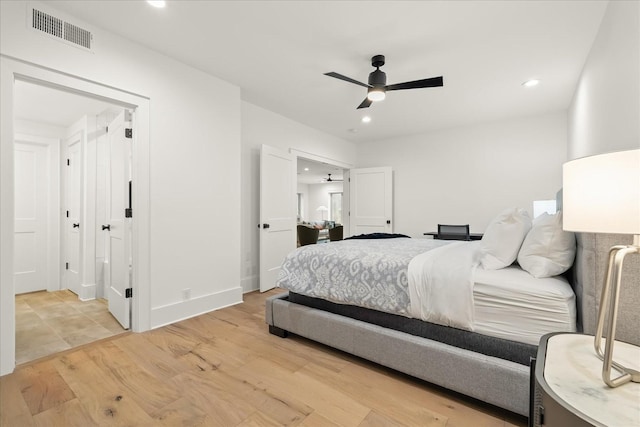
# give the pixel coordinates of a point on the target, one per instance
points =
(224, 369)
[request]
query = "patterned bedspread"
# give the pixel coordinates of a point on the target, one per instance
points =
(366, 273)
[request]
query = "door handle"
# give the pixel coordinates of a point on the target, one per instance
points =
(265, 226)
(388, 221)
(106, 227)
(76, 225)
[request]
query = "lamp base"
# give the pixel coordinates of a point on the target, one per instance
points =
(610, 296)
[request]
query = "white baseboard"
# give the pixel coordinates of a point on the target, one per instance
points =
(87, 291)
(172, 313)
(250, 284)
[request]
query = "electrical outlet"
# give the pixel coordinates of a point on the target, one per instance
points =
(186, 294)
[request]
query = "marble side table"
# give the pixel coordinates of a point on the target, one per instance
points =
(568, 389)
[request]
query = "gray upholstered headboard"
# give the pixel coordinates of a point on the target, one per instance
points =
(589, 271)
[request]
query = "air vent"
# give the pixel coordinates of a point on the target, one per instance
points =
(60, 29)
(47, 23)
(77, 35)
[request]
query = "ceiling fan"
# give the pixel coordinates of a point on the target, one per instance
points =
(329, 179)
(377, 87)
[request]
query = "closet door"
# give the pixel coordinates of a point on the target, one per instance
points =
(31, 207)
(371, 200)
(73, 202)
(119, 226)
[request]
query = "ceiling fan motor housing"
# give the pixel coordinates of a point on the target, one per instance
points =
(378, 78)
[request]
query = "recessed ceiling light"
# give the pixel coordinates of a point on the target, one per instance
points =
(366, 119)
(531, 83)
(157, 3)
(306, 169)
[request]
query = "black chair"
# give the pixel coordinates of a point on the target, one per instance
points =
(453, 232)
(335, 233)
(307, 235)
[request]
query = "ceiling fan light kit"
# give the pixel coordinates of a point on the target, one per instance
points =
(376, 94)
(377, 87)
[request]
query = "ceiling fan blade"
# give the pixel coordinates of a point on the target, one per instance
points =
(416, 84)
(365, 104)
(346, 79)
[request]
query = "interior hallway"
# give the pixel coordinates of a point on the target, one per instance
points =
(49, 322)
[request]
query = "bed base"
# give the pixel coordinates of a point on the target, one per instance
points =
(274, 330)
(496, 381)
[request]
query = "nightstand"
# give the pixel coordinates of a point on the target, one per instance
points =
(568, 389)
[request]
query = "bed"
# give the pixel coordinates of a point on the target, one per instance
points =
(487, 358)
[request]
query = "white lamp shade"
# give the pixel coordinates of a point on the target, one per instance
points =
(601, 194)
(322, 209)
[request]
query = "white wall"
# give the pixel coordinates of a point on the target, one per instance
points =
(467, 175)
(604, 115)
(260, 126)
(46, 130)
(319, 195)
(195, 140)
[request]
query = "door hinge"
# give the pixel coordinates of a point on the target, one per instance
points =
(107, 129)
(66, 265)
(67, 214)
(128, 293)
(68, 162)
(128, 212)
(128, 133)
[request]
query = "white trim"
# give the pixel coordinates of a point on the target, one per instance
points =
(87, 292)
(172, 313)
(322, 159)
(10, 70)
(250, 284)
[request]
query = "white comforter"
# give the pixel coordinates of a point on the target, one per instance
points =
(441, 284)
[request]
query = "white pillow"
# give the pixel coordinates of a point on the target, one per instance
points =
(502, 240)
(547, 250)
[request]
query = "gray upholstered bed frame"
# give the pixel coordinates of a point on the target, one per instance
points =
(489, 379)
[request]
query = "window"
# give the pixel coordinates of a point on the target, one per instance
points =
(335, 209)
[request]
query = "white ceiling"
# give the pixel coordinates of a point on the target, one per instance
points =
(317, 172)
(277, 52)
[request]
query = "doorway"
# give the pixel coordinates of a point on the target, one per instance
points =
(279, 207)
(61, 196)
(12, 70)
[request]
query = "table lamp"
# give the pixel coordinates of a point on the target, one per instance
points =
(601, 194)
(322, 210)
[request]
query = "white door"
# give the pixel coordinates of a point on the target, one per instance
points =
(277, 212)
(371, 201)
(31, 198)
(73, 202)
(118, 241)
